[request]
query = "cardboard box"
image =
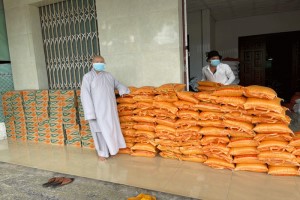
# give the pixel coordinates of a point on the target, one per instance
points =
(42, 103)
(69, 121)
(55, 109)
(41, 109)
(44, 135)
(29, 109)
(30, 103)
(32, 139)
(72, 132)
(31, 119)
(32, 124)
(56, 120)
(85, 133)
(88, 145)
(41, 93)
(73, 143)
(28, 93)
(67, 93)
(54, 93)
(44, 140)
(42, 123)
(57, 136)
(57, 131)
(87, 138)
(73, 137)
(57, 142)
(32, 134)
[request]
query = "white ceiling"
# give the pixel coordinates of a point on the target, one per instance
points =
(231, 9)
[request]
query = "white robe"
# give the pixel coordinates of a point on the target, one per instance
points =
(100, 109)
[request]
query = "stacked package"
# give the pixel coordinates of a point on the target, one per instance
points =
(216, 130)
(63, 117)
(138, 122)
(85, 132)
(41, 108)
(19, 116)
(179, 134)
(9, 116)
(30, 115)
(272, 131)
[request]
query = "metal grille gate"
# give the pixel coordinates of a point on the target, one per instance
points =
(6, 84)
(70, 37)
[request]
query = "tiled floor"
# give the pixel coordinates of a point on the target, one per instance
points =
(171, 176)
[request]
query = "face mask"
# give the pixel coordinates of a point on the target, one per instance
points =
(99, 66)
(215, 62)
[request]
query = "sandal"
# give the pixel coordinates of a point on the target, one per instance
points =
(57, 182)
(50, 181)
(65, 181)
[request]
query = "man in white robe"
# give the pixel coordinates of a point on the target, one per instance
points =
(100, 108)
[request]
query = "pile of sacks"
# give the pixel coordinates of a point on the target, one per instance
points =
(225, 127)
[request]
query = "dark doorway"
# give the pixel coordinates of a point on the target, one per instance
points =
(271, 60)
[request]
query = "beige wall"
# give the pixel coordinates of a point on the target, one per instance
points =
(141, 40)
(25, 44)
(228, 31)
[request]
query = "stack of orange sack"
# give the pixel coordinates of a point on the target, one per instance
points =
(166, 117)
(85, 132)
(294, 146)
(138, 122)
(272, 131)
(179, 134)
(217, 126)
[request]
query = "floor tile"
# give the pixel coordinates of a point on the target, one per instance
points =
(251, 185)
(199, 181)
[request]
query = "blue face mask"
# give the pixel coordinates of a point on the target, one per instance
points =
(215, 62)
(99, 66)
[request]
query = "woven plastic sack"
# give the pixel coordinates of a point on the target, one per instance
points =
(283, 171)
(144, 147)
(205, 97)
(219, 163)
(194, 158)
(251, 167)
(141, 153)
(187, 96)
(229, 91)
(257, 91)
(247, 159)
(208, 140)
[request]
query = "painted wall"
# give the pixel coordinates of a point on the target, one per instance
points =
(25, 44)
(227, 32)
(141, 40)
(4, 52)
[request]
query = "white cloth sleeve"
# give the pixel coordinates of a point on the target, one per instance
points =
(121, 88)
(203, 78)
(230, 75)
(86, 100)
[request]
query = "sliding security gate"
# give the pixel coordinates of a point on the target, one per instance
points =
(70, 37)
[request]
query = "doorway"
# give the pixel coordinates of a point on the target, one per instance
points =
(271, 60)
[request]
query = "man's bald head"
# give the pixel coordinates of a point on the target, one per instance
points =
(98, 59)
